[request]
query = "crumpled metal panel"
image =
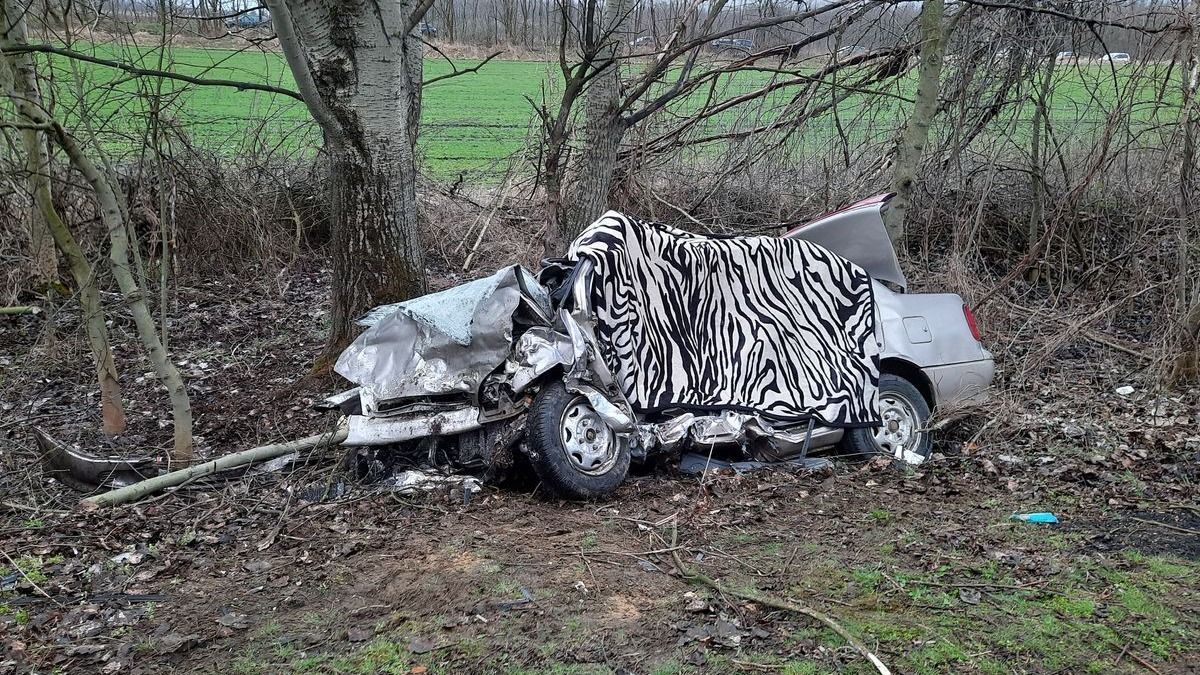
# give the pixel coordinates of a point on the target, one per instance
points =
(730, 428)
(537, 351)
(440, 343)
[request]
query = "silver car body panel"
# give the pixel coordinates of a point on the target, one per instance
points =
(930, 331)
(927, 331)
(365, 430)
(857, 233)
(442, 343)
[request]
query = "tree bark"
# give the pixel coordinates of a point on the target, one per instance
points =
(20, 80)
(1187, 363)
(916, 132)
(43, 263)
(590, 184)
(359, 72)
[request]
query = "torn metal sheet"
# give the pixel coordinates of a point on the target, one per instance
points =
(730, 428)
(415, 480)
(442, 343)
(535, 353)
(277, 464)
(86, 472)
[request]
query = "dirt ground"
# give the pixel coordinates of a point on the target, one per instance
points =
(926, 568)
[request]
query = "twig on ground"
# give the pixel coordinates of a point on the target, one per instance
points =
(1184, 530)
(769, 601)
(983, 584)
(1145, 663)
(33, 583)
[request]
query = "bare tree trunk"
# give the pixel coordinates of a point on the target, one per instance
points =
(590, 179)
(165, 370)
(112, 411)
(916, 132)
(1037, 164)
(20, 81)
(1187, 364)
(43, 263)
(359, 70)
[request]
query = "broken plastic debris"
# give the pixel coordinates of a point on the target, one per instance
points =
(86, 472)
(1124, 391)
(1039, 517)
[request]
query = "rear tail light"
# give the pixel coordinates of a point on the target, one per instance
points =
(970, 317)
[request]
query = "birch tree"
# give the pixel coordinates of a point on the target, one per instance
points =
(358, 68)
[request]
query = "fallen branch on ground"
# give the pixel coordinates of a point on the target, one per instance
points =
(1185, 530)
(22, 309)
(152, 485)
(769, 601)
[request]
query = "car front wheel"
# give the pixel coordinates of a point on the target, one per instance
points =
(572, 450)
(904, 435)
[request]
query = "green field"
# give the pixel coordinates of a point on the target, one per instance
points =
(476, 121)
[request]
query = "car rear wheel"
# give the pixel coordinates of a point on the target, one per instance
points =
(573, 451)
(903, 436)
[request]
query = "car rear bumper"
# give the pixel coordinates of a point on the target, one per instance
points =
(961, 383)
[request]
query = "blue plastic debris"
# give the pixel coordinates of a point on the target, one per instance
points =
(1040, 517)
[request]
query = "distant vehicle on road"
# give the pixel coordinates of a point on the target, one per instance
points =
(643, 41)
(1065, 57)
(1118, 58)
(428, 30)
(252, 19)
(741, 44)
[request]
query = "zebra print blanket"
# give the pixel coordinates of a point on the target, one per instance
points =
(778, 327)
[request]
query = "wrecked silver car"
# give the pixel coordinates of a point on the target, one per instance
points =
(644, 341)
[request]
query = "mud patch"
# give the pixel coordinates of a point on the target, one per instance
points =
(1174, 532)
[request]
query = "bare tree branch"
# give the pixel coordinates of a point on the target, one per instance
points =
(1091, 21)
(149, 72)
(473, 69)
(418, 13)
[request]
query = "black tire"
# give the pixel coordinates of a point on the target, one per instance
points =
(896, 389)
(548, 453)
